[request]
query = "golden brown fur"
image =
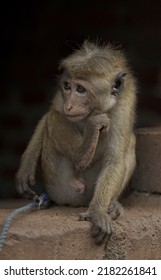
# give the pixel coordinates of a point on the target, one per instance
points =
(86, 142)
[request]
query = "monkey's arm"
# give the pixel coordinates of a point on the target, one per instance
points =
(84, 155)
(107, 189)
(69, 141)
(25, 176)
(117, 170)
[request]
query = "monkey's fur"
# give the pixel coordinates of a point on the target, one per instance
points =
(86, 142)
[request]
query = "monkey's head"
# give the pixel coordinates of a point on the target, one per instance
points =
(92, 80)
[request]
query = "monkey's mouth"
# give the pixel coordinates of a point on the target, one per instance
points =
(75, 118)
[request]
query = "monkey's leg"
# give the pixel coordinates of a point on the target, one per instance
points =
(26, 174)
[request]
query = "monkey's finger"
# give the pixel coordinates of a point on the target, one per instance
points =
(115, 213)
(102, 229)
(115, 210)
(22, 184)
(98, 234)
(24, 190)
(19, 185)
(95, 230)
(101, 237)
(29, 194)
(84, 216)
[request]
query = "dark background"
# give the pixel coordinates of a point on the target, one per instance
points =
(35, 36)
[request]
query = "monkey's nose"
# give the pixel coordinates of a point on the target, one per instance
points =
(69, 107)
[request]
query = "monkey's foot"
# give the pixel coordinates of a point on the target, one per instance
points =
(115, 209)
(85, 216)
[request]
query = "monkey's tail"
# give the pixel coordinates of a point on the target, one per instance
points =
(38, 202)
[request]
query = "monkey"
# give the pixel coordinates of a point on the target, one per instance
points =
(85, 142)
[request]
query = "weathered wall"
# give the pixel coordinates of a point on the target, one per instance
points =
(147, 175)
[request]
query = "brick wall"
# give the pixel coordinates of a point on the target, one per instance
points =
(34, 38)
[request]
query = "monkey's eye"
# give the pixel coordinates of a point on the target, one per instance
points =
(66, 85)
(80, 89)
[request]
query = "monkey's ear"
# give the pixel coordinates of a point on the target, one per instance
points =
(118, 84)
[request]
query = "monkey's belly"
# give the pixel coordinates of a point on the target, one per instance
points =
(57, 184)
(66, 196)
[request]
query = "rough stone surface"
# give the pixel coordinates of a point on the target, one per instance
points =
(147, 176)
(57, 233)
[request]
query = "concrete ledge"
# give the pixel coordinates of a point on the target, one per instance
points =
(147, 176)
(57, 233)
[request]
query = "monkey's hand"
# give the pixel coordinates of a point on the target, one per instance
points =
(25, 178)
(101, 228)
(100, 122)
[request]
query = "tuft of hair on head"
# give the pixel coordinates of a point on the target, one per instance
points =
(93, 59)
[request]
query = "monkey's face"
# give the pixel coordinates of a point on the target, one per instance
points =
(77, 97)
(97, 95)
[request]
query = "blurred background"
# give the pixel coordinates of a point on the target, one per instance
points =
(35, 36)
